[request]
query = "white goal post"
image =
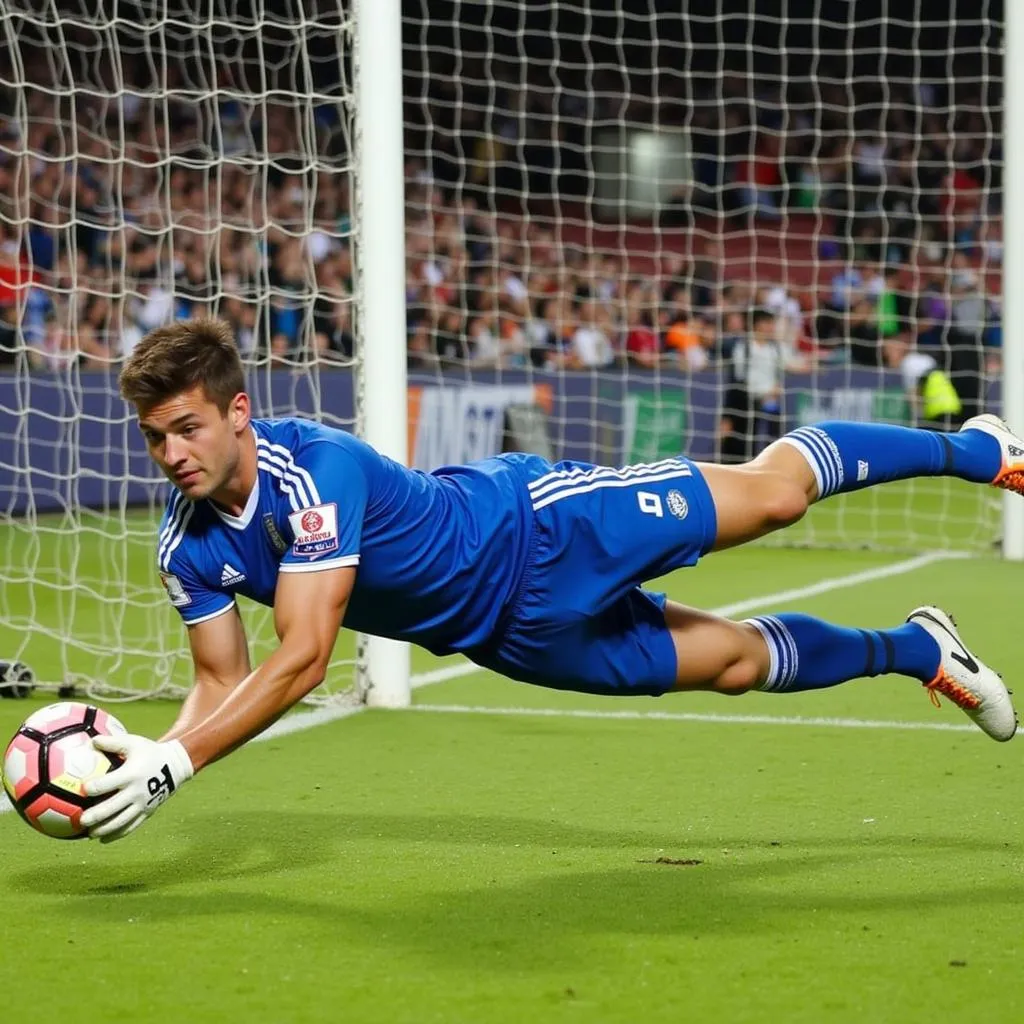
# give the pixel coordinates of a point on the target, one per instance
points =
(380, 208)
(1013, 259)
(167, 160)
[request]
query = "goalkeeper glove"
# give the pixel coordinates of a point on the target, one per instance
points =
(151, 772)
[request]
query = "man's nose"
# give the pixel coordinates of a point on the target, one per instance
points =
(174, 450)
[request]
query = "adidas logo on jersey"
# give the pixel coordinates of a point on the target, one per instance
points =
(230, 576)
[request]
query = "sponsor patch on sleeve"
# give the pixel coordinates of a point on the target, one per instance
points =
(315, 529)
(175, 591)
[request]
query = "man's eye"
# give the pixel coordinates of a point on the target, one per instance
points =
(188, 431)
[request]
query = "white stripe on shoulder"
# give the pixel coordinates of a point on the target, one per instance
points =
(265, 455)
(288, 468)
(292, 466)
(177, 537)
(170, 531)
(174, 514)
(288, 485)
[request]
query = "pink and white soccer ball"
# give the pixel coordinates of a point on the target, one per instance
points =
(49, 761)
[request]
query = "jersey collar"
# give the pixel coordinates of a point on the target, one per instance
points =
(242, 521)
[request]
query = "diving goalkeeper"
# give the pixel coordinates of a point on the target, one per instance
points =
(531, 569)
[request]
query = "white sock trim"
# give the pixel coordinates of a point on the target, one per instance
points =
(773, 656)
(783, 659)
(805, 451)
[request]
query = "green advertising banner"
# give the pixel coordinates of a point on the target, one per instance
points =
(866, 405)
(653, 425)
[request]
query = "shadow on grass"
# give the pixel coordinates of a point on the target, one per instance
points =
(310, 877)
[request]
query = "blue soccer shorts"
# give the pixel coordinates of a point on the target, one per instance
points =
(581, 620)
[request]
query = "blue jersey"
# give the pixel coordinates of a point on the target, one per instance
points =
(439, 555)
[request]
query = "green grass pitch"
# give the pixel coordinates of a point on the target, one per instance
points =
(503, 853)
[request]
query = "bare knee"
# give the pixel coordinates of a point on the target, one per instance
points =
(715, 653)
(782, 501)
(741, 675)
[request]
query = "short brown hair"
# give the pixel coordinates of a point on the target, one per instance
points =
(181, 356)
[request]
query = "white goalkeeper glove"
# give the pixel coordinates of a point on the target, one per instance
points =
(150, 774)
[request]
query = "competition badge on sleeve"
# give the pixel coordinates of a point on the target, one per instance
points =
(315, 529)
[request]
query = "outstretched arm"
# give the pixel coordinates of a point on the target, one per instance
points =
(309, 608)
(220, 656)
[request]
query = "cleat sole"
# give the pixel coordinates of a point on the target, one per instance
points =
(1012, 481)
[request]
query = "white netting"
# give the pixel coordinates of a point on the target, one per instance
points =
(613, 191)
(156, 161)
(598, 198)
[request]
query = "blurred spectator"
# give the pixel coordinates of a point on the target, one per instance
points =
(969, 317)
(219, 202)
(864, 337)
(643, 348)
(591, 341)
(759, 177)
(751, 413)
(449, 343)
(686, 335)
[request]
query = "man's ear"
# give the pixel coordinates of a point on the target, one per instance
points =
(240, 412)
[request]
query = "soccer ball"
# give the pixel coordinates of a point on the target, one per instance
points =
(49, 761)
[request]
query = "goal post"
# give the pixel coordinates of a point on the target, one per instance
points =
(380, 290)
(1013, 260)
(158, 162)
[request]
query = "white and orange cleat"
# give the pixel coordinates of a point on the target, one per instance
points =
(970, 684)
(1011, 447)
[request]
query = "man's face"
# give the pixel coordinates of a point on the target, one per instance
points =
(193, 442)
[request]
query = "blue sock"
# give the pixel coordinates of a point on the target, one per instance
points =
(808, 654)
(846, 456)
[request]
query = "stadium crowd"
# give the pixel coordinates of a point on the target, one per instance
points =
(900, 221)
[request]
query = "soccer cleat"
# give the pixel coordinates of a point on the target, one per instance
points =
(970, 684)
(1011, 476)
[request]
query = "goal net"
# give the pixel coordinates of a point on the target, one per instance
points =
(156, 161)
(603, 199)
(604, 204)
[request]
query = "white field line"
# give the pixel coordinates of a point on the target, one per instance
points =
(321, 716)
(685, 716)
(853, 579)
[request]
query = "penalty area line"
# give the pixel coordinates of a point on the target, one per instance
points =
(853, 579)
(324, 715)
(700, 717)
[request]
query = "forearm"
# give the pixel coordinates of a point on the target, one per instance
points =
(258, 701)
(202, 701)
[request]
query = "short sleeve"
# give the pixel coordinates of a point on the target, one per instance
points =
(195, 601)
(330, 490)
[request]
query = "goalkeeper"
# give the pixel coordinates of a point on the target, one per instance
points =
(530, 569)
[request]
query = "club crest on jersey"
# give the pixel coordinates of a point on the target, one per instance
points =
(277, 542)
(175, 591)
(676, 504)
(315, 529)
